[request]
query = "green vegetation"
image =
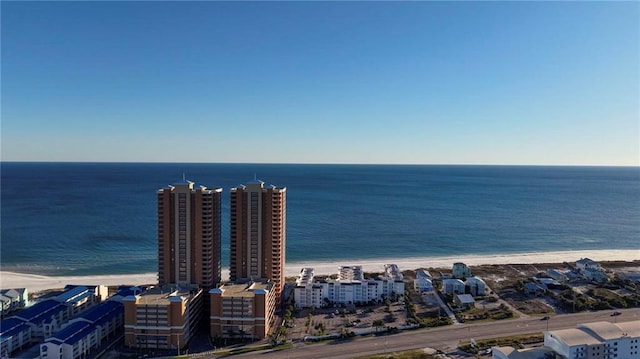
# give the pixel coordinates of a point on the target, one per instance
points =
(502, 312)
(414, 318)
(411, 354)
(614, 300)
(248, 349)
(514, 341)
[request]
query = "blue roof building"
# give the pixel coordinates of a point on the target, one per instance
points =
(14, 334)
(85, 332)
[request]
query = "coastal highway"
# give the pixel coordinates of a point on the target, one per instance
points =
(443, 338)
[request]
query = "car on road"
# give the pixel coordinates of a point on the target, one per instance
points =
(545, 318)
(616, 313)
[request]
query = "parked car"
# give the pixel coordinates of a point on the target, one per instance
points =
(615, 313)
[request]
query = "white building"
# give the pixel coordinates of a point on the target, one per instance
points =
(529, 353)
(12, 299)
(423, 282)
(585, 263)
(349, 288)
(82, 334)
(598, 340)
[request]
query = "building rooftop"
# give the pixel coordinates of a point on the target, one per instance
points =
(41, 311)
(604, 330)
(165, 294)
(587, 261)
(74, 294)
(72, 333)
(631, 329)
(574, 337)
(248, 289)
(423, 273)
(392, 272)
(105, 309)
(11, 326)
(530, 353)
(350, 273)
(466, 298)
(305, 277)
(13, 292)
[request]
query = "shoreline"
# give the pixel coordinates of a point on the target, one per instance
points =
(36, 283)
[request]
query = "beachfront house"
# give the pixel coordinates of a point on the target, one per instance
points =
(595, 275)
(586, 263)
(453, 286)
(464, 301)
(557, 275)
(460, 270)
(533, 288)
(13, 299)
(475, 286)
(423, 282)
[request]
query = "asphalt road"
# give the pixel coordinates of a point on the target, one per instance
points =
(444, 338)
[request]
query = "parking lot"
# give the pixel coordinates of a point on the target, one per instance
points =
(343, 320)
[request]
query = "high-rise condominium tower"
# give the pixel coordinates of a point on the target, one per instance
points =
(189, 235)
(257, 231)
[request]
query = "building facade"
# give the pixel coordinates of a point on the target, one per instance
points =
(598, 340)
(189, 232)
(162, 317)
(257, 233)
(349, 288)
(242, 310)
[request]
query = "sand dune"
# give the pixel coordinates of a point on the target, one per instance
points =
(35, 283)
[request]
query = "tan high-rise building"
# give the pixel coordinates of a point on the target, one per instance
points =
(189, 235)
(257, 231)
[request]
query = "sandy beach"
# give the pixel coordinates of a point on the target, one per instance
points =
(35, 283)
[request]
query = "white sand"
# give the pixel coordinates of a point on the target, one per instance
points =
(35, 283)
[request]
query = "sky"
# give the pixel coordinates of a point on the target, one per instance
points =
(539, 83)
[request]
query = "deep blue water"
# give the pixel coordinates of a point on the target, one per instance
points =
(96, 218)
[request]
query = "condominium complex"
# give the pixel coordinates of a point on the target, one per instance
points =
(163, 317)
(349, 288)
(257, 233)
(242, 310)
(189, 235)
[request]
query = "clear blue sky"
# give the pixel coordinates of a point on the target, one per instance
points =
(322, 82)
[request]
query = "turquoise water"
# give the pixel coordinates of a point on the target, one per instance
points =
(99, 218)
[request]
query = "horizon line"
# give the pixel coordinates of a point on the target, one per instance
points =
(331, 163)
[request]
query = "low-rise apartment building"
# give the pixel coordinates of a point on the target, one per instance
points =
(162, 317)
(84, 333)
(349, 288)
(243, 310)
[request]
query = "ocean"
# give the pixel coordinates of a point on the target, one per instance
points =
(100, 218)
